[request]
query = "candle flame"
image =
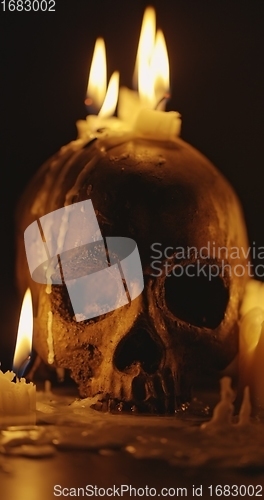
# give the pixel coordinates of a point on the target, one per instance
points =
(160, 67)
(97, 96)
(97, 79)
(109, 104)
(24, 334)
(145, 48)
(152, 64)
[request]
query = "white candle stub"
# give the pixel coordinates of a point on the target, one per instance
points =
(157, 125)
(251, 342)
(17, 400)
(144, 122)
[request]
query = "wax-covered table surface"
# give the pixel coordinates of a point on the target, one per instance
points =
(74, 448)
(37, 478)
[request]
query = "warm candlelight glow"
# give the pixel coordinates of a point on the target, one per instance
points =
(152, 64)
(97, 97)
(24, 334)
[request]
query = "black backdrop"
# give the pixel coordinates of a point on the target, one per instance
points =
(217, 81)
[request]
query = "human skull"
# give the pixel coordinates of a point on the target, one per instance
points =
(165, 196)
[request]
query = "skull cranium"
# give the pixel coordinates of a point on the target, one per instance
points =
(165, 196)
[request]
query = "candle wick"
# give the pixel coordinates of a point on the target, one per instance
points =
(91, 108)
(166, 97)
(22, 368)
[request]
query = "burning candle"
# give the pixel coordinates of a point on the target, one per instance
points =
(140, 113)
(18, 400)
(100, 100)
(143, 110)
(251, 350)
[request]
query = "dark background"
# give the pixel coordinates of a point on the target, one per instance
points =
(217, 81)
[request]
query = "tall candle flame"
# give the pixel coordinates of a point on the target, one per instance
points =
(98, 98)
(159, 67)
(97, 79)
(152, 64)
(145, 49)
(24, 334)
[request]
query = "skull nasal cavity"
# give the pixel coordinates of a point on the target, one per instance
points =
(138, 346)
(197, 299)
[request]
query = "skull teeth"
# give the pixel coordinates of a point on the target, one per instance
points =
(150, 394)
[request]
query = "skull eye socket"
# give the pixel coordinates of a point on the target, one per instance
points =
(195, 298)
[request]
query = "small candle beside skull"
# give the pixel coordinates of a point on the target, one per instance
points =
(17, 397)
(147, 185)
